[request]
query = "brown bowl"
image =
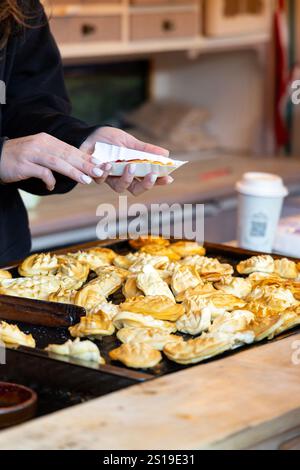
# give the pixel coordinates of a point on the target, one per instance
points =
(17, 404)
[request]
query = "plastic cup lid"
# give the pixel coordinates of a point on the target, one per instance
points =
(261, 185)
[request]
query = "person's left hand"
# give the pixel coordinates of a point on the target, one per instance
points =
(127, 181)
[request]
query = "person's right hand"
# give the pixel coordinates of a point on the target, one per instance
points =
(37, 156)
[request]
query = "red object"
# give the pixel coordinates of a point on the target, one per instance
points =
(214, 174)
(282, 72)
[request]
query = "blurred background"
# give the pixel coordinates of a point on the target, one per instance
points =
(208, 79)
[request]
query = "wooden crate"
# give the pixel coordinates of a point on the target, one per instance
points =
(83, 2)
(162, 2)
(51, 3)
(102, 2)
(163, 25)
(235, 17)
(74, 29)
(164, 19)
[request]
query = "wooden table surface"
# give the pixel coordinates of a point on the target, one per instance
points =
(199, 181)
(232, 403)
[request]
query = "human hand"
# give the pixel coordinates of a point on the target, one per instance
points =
(37, 156)
(127, 181)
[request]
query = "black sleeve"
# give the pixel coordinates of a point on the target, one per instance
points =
(37, 100)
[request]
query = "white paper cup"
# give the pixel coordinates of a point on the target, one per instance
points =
(260, 201)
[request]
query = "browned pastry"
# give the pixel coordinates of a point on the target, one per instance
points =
(5, 274)
(216, 276)
(265, 327)
(263, 280)
(197, 350)
(107, 253)
(89, 297)
(276, 281)
(136, 320)
(151, 284)
(136, 356)
(38, 264)
(237, 325)
(153, 162)
(36, 287)
(130, 288)
(194, 305)
(262, 263)
(194, 323)
(166, 271)
(108, 308)
(261, 309)
(63, 265)
(218, 303)
(296, 291)
(286, 268)
(113, 270)
(82, 350)
(91, 259)
(237, 286)
(68, 283)
(210, 269)
(123, 262)
(221, 273)
(95, 257)
(107, 282)
(275, 298)
(70, 272)
(165, 276)
(93, 326)
(73, 269)
(186, 248)
(205, 289)
(290, 319)
(258, 278)
(63, 296)
(11, 334)
(159, 307)
(183, 278)
(154, 337)
(140, 260)
(157, 250)
(143, 241)
(232, 322)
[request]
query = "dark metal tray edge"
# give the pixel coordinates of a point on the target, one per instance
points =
(217, 249)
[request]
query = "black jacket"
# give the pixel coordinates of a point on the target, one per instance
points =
(36, 101)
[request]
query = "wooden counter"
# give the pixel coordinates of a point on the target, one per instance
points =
(233, 403)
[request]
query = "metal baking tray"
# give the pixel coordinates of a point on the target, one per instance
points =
(87, 380)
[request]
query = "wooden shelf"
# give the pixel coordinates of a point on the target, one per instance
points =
(198, 45)
(83, 10)
(195, 44)
(163, 8)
